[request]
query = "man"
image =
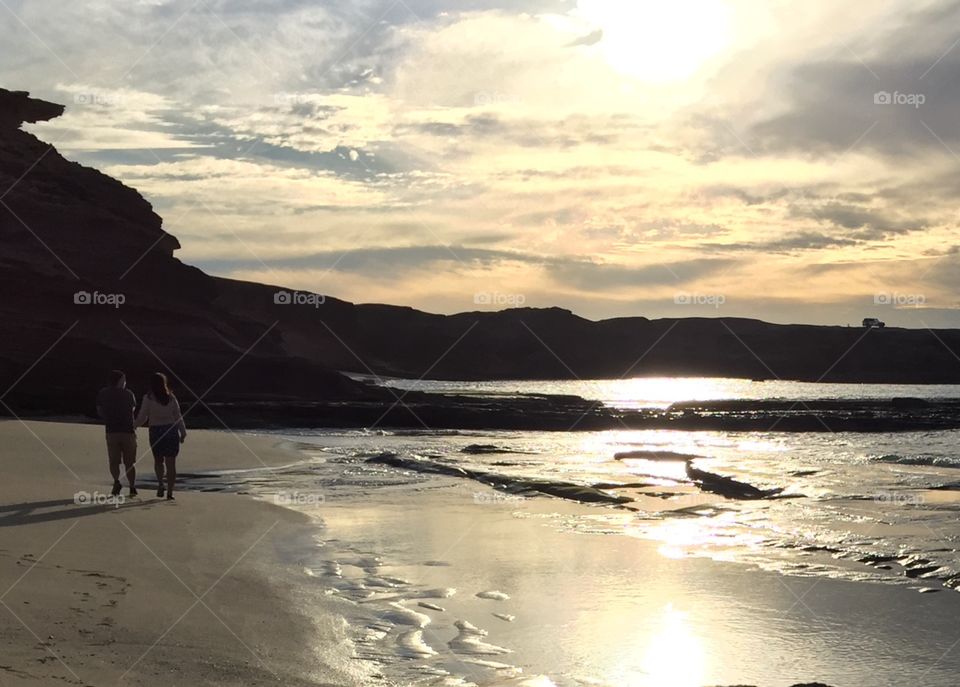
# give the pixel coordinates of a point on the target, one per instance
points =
(115, 406)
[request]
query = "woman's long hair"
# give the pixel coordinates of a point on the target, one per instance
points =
(159, 388)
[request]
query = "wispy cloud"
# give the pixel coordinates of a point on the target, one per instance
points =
(417, 151)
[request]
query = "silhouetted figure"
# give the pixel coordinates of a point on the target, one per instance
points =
(115, 406)
(161, 412)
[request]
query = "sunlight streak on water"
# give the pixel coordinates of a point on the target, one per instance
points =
(675, 656)
(660, 392)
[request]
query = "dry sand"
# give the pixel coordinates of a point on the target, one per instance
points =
(151, 592)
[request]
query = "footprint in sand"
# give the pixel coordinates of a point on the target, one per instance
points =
(493, 595)
(469, 641)
(398, 614)
(432, 607)
(332, 568)
(439, 593)
(411, 645)
(385, 582)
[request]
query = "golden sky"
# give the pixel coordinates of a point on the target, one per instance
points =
(792, 161)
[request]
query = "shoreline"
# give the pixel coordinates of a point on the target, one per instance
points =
(300, 597)
(576, 603)
(394, 550)
(145, 592)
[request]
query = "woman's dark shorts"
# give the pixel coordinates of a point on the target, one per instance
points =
(164, 441)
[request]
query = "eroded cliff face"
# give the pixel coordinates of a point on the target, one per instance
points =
(60, 208)
(19, 108)
(88, 282)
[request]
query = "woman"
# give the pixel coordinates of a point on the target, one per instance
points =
(161, 412)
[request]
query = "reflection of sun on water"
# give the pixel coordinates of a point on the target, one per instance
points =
(662, 391)
(720, 536)
(675, 656)
(679, 536)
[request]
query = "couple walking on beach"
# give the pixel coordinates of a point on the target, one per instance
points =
(160, 411)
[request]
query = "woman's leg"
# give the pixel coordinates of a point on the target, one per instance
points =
(171, 465)
(159, 471)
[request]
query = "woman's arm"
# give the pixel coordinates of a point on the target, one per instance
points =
(181, 427)
(144, 413)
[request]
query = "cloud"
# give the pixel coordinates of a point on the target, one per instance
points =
(860, 222)
(373, 261)
(591, 276)
(804, 241)
(418, 152)
(896, 95)
(591, 38)
(586, 275)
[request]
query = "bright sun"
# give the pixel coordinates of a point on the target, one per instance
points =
(659, 41)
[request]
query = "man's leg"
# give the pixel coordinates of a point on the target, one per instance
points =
(114, 452)
(130, 460)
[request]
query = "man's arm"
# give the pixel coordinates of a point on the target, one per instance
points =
(99, 406)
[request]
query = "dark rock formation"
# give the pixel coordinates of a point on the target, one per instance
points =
(727, 486)
(66, 229)
(510, 484)
(420, 411)
(70, 234)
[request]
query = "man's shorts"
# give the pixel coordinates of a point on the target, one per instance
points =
(122, 447)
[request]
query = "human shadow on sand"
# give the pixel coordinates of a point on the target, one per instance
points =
(32, 512)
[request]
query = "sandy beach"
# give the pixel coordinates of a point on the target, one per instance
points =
(148, 592)
(364, 578)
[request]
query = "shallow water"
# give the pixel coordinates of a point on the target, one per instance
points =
(848, 496)
(659, 392)
(429, 572)
(577, 610)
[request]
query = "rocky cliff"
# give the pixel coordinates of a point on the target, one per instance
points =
(74, 243)
(88, 282)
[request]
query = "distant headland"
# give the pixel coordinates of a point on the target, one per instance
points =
(90, 282)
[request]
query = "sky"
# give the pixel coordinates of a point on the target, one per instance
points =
(789, 161)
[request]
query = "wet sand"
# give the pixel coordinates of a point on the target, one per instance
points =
(442, 583)
(492, 589)
(149, 592)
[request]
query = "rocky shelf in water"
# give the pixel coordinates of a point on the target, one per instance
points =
(421, 411)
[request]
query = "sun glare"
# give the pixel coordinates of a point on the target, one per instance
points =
(659, 42)
(675, 656)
